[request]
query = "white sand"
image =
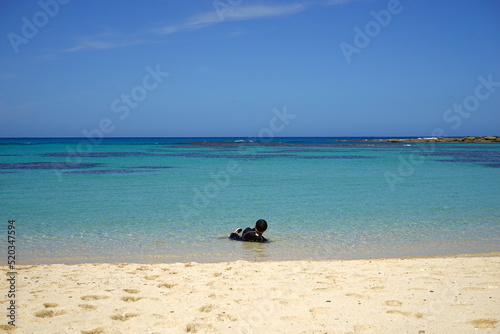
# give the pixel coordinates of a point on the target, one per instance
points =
(418, 295)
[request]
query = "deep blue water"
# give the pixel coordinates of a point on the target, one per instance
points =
(175, 199)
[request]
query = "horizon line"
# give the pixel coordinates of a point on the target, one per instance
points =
(173, 137)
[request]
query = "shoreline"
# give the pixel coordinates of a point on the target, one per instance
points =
(114, 260)
(434, 294)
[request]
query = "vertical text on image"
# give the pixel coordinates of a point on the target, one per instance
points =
(11, 274)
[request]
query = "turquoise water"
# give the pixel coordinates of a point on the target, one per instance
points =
(163, 200)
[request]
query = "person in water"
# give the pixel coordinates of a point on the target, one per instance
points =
(251, 234)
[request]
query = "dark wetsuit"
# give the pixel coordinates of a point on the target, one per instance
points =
(249, 234)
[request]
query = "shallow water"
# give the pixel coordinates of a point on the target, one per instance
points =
(157, 199)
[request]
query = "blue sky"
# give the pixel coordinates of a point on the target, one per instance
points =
(172, 68)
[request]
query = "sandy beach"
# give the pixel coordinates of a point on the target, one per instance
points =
(400, 295)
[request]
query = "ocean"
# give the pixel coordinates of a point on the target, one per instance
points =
(80, 200)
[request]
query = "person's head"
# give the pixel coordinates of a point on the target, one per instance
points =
(261, 226)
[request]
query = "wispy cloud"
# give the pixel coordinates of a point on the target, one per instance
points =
(113, 40)
(47, 57)
(28, 105)
(106, 41)
(340, 2)
(237, 32)
(34, 104)
(237, 13)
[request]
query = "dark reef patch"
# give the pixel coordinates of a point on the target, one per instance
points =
(96, 154)
(139, 169)
(336, 157)
(48, 165)
(484, 158)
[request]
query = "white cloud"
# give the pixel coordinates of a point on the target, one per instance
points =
(47, 57)
(105, 41)
(219, 14)
(237, 13)
(237, 32)
(338, 2)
